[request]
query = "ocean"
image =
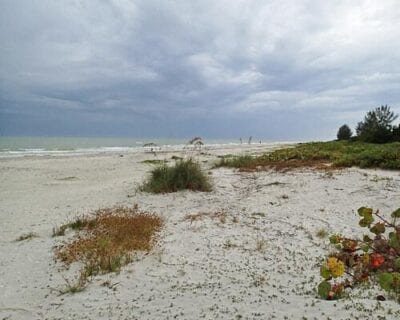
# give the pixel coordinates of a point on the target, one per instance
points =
(23, 146)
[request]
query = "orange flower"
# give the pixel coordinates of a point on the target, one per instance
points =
(377, 260)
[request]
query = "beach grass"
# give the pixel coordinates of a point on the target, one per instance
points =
(155, 161)
(184, 174)
(27, 236)
(105, 240)
(321, 155)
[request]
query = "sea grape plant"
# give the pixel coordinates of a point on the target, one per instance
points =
(374, 258)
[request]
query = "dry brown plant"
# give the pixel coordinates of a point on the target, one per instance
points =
(107, 239)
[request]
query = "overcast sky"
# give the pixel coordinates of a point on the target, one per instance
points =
(279, 70)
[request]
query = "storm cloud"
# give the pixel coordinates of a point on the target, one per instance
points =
(278, 70)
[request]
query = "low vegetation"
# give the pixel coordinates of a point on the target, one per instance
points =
(360, 261)
(27, 236)
(105, 240)
(322, 155)
(185, 174)
(155, 161)
(77, 224)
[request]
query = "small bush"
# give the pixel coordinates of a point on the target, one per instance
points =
(183, 175)
(344, 133)
(359, 261)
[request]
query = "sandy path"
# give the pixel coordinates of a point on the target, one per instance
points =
(259, 260)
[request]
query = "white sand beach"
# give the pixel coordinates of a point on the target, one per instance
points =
(260, 261)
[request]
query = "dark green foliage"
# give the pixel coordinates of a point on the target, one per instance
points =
(377, 126)
(183, 175)
(344, 132)
(396, 133)
(155, 161)
(338, 153)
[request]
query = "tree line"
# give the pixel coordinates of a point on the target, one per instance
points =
(377, 127)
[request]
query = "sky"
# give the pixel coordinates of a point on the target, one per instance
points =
(275, 70)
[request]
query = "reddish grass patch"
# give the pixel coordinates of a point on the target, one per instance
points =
(107, 238)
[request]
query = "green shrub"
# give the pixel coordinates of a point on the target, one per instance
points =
(183, 175)
(344, 133)
(396, 133)
(377, 126)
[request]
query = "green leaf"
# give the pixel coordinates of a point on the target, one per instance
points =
(334, 239)
(323, 289)
(324, 272)
(396, 213)
(338, 246)
(365, 248)
(363, 211)
(397, 264)
(363, 223)
(385, 280)
(366, 222)
(367, 239)
(394, 240)
(378, 228)
(396, 280)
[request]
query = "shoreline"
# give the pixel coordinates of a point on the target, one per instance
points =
(262, 259)
(166, 149)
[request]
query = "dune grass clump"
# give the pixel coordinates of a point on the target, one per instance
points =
(322, 155)
(105, 240)
(185, 174)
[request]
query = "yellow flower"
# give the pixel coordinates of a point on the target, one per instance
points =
(365, 259)
(335, 266)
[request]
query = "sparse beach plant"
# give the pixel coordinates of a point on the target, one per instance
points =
(185, 174)
(77, 224)
(322, 233)
(105, 240)
(27, 236)
(370, 259)
(154, 161)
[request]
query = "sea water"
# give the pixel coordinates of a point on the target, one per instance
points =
(25, 146)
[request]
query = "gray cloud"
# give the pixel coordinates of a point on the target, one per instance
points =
(292, 69)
